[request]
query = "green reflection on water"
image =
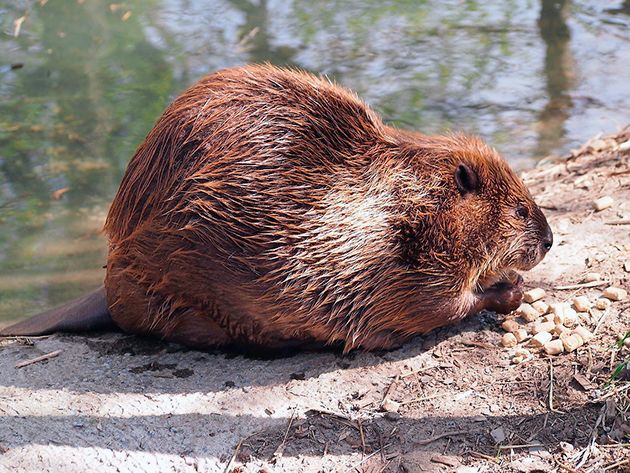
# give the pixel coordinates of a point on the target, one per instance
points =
(83, 82)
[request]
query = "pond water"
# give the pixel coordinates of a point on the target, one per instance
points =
(82, 82)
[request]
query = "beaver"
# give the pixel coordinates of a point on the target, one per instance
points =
(271, 208)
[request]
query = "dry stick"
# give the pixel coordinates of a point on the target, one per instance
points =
(601, 320)
(280, 448)
(525, 445)
(236, 450)
(586, 452)
(47, 356)
(581, 285)
(389, 388)
(356, 467)
(362, 435)
(615, 465)
(563, 466)
(551, 408)
(438, 437)
(618, 222)
(421, 399)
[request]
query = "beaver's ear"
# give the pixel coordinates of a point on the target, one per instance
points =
(466, 179)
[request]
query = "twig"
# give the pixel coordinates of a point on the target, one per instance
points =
(356, 467)
(551, 408)
(236, 450)
(421, 399)
(280, 449)
(361, 434)
(618, 222)
(564, 466)
(525, 445)
(581, 285)
(484, 456)
(586, 452)
(438, 437)
(389, 388)
(47, 356)
(601, 320)
(615, 465)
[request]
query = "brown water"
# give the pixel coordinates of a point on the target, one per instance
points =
(81, 83)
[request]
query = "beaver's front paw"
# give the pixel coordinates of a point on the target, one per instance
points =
(515, 279)
(503, 297)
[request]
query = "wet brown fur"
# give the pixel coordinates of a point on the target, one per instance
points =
(268, 206)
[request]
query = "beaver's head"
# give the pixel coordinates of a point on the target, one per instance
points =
(517, 233)
(470, 207)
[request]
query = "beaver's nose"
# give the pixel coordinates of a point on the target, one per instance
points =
(547, 239)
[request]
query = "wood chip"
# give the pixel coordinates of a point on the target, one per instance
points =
(554, 347)
(591, 277)
(615, 293)
(510, 325)
(527, 312)
(541, 306)
(603, 203)
(583, 332)
(390, 405)
(534, 295)
(508, 340)
(581, 304)
(444, 460)
(543, 327)
(521, 335)
(540, 339)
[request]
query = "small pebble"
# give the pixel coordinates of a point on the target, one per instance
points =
(543, 327)
(540, 339)
(615, 293)
(517, 360)
(626, 342)
(554, 347)
(603, 203)
(510, 325)
(592, 277)
(528, 312)
(508, 340)
(602, 303)
(534, 295)
(572, 342)
(583, 332)
(541, 306)
(521, 335)
(581, 303)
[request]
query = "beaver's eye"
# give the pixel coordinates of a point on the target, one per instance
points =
(522, 212)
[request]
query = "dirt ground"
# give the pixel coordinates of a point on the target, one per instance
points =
(449, 401)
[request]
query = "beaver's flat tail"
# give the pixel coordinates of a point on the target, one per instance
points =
(87, 313)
